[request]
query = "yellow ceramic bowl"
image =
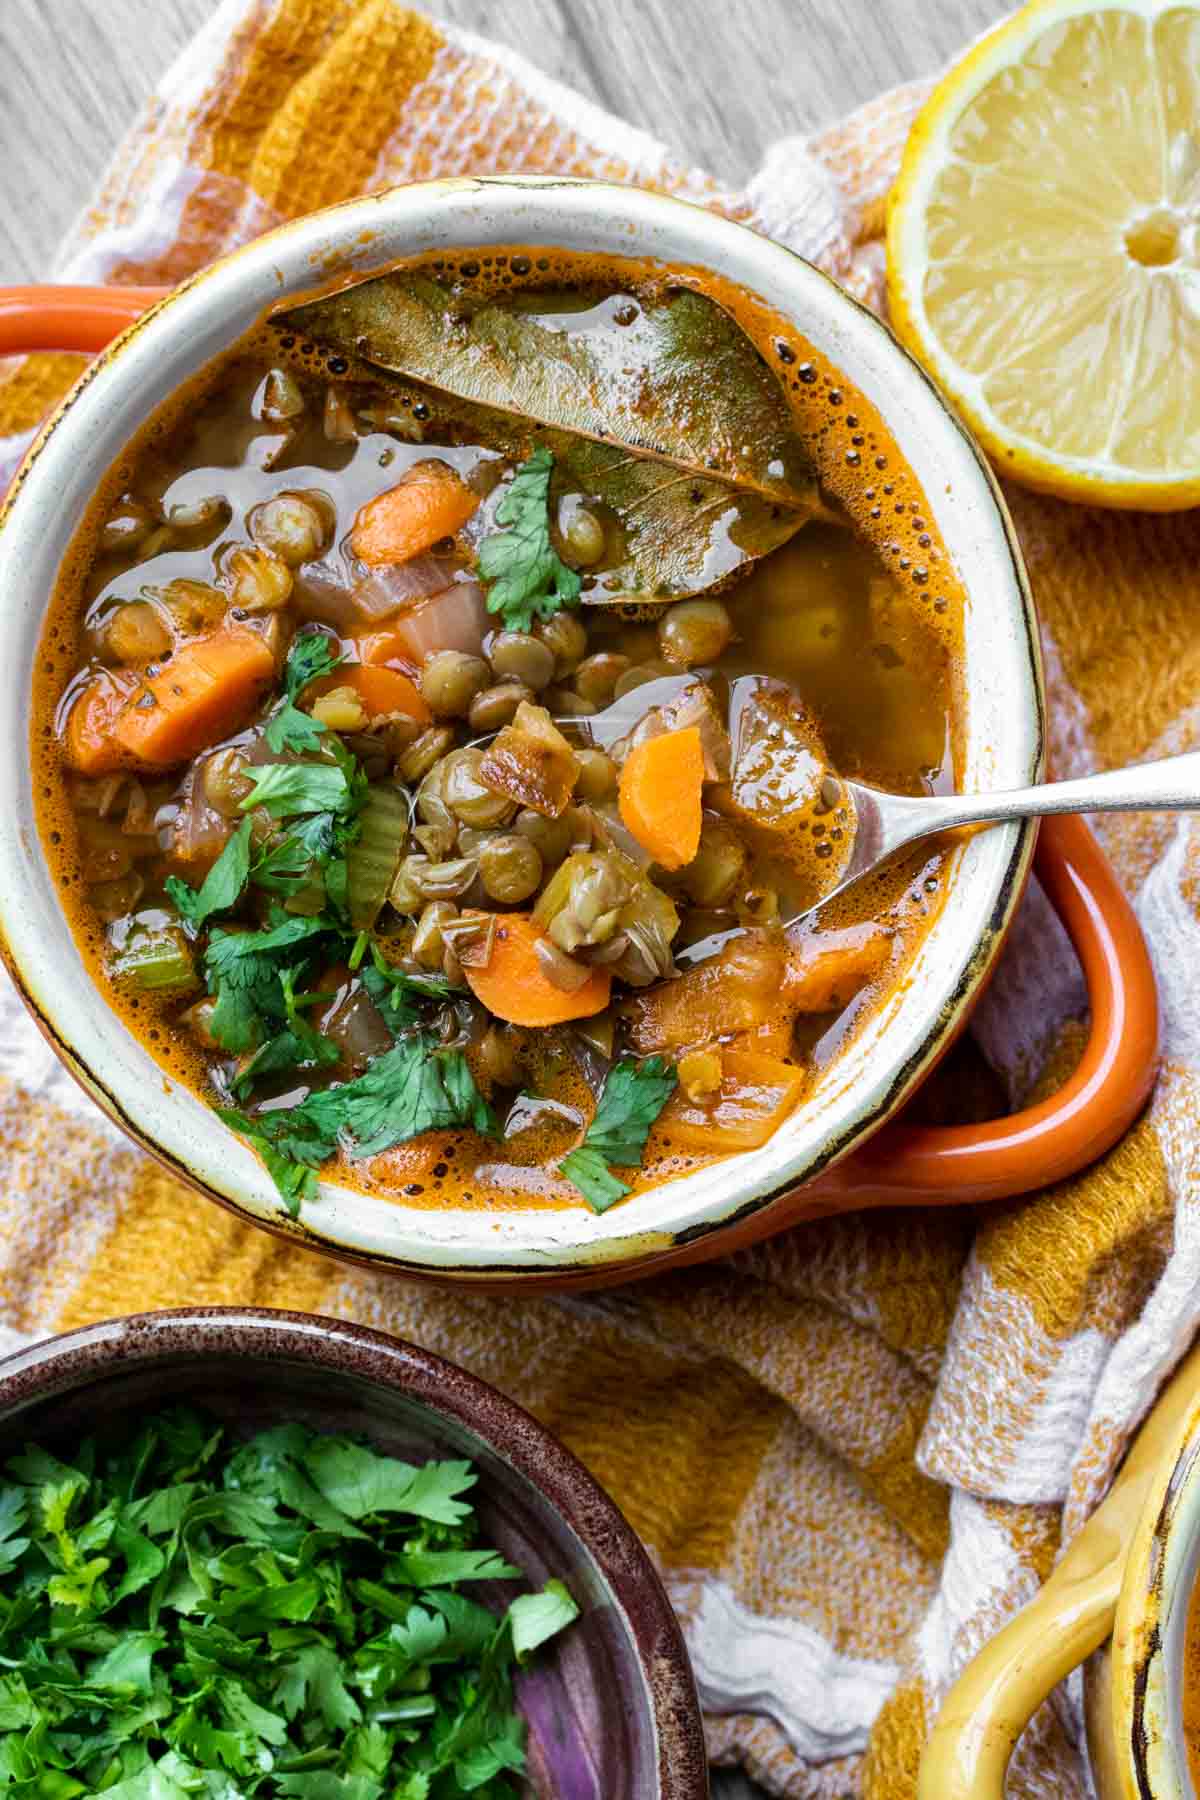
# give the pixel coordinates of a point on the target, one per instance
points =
(1119, 1596)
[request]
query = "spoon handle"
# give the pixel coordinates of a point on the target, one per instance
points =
(1174, 782)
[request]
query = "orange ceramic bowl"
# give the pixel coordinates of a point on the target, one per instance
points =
(839, 1150)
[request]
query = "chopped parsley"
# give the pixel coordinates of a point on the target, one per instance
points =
(397, 994)
(312, 655)
(297, 1046)
(285, 1617)
(286, 863)
(285, 789)
(244, 969)
(289, 728)
(293, 729)
(528, 579)
(222, 886)
(633, 1096)
(415, 1086)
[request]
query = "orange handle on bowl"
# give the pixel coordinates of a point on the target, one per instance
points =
(68, 318)
(902, 1164)
(905, 1165)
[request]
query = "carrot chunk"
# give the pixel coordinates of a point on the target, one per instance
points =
(208, 689)
(90, 745)
(514, 986)
(660, 795)
(756, 1094)
(381, 690)
(431, 503)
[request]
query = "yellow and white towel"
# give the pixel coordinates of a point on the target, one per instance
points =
(855, 1450)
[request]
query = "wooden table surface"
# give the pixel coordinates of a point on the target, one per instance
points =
(691, 71)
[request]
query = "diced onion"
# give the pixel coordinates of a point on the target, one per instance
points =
(456, 619)
(394, 585)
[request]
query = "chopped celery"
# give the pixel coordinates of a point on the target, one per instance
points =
(156, 960)
(372, 861)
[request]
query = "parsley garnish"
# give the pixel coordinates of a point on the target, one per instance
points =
(222, 886)
(289, 728)
(244, 968)
(278, 1618)
(587, 1170)
(298, 1046)
(528, 577)
(285, 789)
(285, 864)
(312, 655)
(415, 1086)
(411, 1088)
(397, 994)
(634, 1094)
(292, 729)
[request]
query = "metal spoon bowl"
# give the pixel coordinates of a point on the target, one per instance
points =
(876, 824)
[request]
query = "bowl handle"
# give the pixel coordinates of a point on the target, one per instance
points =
(905, 1165)
(68, 318)
(999, 1691)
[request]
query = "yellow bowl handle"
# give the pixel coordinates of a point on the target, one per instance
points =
(998, 1693)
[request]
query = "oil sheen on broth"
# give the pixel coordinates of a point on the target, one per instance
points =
(858, 615)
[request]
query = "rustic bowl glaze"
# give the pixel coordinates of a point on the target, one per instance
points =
(612, 1707)
(807, 1167)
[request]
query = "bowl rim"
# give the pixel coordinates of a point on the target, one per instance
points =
(70, 1361)
(872, 1078)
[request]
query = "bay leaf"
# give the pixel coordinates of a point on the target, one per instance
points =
(671, 420)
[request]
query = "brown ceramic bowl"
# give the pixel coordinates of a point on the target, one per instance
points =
(612, 1707)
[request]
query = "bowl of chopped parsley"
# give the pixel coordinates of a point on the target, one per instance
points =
(248, 1554)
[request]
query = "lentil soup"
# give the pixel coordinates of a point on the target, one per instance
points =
(355, 809)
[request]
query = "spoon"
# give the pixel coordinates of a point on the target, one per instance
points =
(883, 823)
(878, 824)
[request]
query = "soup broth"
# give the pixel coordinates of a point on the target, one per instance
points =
(319, 787)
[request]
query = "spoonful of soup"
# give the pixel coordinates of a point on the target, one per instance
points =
(778, 781)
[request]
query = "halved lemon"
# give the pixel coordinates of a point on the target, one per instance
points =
(1044, 248)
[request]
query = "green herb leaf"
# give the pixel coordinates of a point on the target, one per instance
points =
(633, 1096)
(289, 728)
(359, 1483)
(284, 789)
(440, 1568)
(533, 1618)
(292, 1174)
(528, 577)
(298, 1046)
(312, 655)
(413, 1087)
(283, 866)
(292, 729)
(259, 1643)
(243, 969)
(399, 995)
(589, 1172)
(222, 886)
